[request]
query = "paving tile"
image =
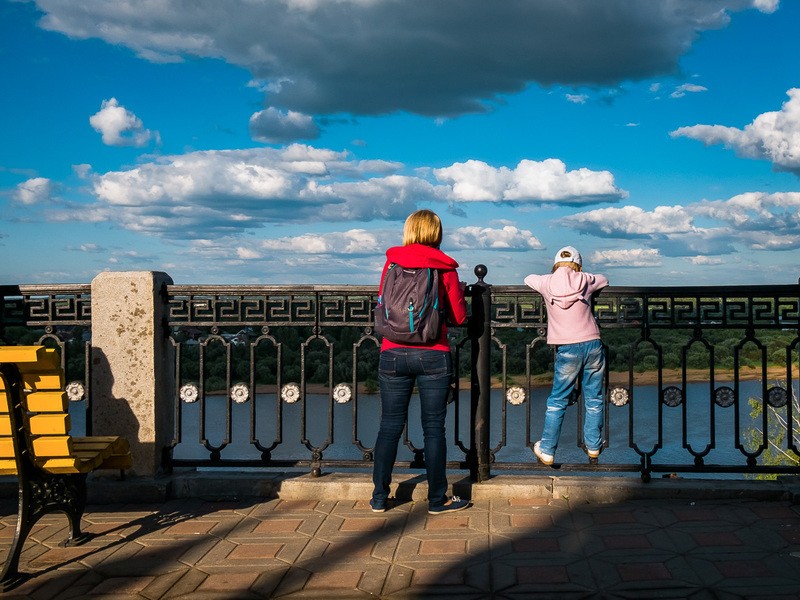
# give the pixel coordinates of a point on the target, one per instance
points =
(278, 526)
(292, 581)
(415, 550)
(499, 548)
(306, 524)
(457, 521)
(337, 550)
(643, 571)
(122, 585)
(230, 582)
(268, 580)
(535, 544)
(542, 574)
(338, 579)
(255, 551)
(359, 525)
(717, 539)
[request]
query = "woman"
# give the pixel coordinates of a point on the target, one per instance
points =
(428, 366)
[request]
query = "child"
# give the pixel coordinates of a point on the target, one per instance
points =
(572, 329)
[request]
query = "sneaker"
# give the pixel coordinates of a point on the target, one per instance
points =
(544, 458)
(455, 503)
(593, 453)
(377, 507)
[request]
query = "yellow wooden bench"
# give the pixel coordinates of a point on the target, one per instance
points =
(35, 445)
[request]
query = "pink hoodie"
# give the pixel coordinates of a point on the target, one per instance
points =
(567, 295)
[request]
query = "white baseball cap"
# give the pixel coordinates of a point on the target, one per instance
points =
(568, 254)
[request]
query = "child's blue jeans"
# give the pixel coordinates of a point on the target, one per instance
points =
(587, 361)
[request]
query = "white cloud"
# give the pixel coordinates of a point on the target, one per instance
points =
(82, 171)
(507, 237)
(766, 6)
(637, 257)
(354, 241)
(276, 127)
(757, 211)
(755, 220)
(226, 192)
(529, 181)
(119, 126)
(689, 88)
(36, 190)
(773, 136)
(705, 260)
(577, 98)
(247, 253)
(632, 221)
(370, 57)
(220, 192)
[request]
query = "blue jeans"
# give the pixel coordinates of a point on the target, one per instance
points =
(399, 370)
(587, 361)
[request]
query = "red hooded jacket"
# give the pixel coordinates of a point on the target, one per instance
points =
(415, 256)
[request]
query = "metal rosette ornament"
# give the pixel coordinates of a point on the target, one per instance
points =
(240, 393)
(724, 396)
(290, 393)
(189, 393)
(75, 391)
(618, 396)
(673, 396)
(342, 393)
(777, 397)
(515, 395)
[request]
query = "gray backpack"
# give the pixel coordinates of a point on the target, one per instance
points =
(409, 310)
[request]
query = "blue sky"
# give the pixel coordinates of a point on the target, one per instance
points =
(285, 141)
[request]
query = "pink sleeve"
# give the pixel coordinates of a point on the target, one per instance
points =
(600, 281)
(534, 281)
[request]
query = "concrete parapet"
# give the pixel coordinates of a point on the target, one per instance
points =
(219, 486)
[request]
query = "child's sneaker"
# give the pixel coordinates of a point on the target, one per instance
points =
(455, 503)
(544, 458)
(377, 507)
(595, 454)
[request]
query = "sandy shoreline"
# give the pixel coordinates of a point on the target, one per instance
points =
(675, 376)
(669, 377)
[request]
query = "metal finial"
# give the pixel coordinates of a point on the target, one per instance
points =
(480, 272)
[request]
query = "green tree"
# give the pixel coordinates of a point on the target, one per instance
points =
(777, 452)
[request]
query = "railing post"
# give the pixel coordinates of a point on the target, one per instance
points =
(480, 333)
(132, 374)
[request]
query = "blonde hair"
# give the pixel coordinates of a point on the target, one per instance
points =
(423, 227)
(568, 263)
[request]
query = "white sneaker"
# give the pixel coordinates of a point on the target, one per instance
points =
(545, 459)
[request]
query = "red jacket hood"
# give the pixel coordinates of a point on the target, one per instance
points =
(416, 256)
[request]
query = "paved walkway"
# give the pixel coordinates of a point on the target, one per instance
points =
(503, 548)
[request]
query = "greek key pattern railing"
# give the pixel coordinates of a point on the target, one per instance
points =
(651, 308)
(700, 379)
(59, 316)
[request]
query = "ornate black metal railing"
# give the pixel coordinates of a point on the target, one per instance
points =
(700, 379)
(58, 316)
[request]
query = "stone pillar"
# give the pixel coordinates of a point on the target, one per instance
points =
(133, 381)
